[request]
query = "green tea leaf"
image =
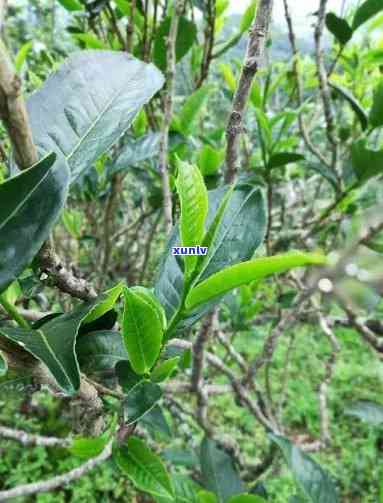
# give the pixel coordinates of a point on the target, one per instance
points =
(245, 272)
(71, 5)
(209, 160)
(194, 208)
(30, 205)
(100, 351)
(165, 370)
(207, 497)
(82, 121)
(376, 112)
(191, 109)
(283, 158)
(140, 400)
(54, 345)
(247, 498)
(248, 16)
(144, 468)
(3, 365)
(149, 297)
(367, 10)
(218, 472)
(365, 162)
(315, 482)
(367, 411)
(110, 297)
(142, 332)
(21, 56)
(355, 105)
(186, 37)
(339, 27)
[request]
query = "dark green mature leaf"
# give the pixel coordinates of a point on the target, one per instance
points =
(240, 233)
(30, 205)
(367, 10)
(194, 208)
(186, 36)
(100, 351)
(3, 365)
(218, 472)
(136, 151)
(142, 332)
(367, 411)
(376, 112)
(283, 158)
(140, 400)
(365, 162)
(310, 477)
(71, 5)
(155, 420)
(54, 345)
(80, 121)
(339, 27)
(355, 105)
(246, 272)
(144, 468)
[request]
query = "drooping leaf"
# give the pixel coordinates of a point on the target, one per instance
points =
(142, 332)
(110, 297)
(100, 351)
(240, 232)
(186, 36)
(366, 163)
(367, 10)
(165, 369)
(376, 112)
(194, 208)
(191, 109)
(283, 158)
(315, 482)
(71, 5)
(140, 400)
(30, 205)
(245, 272)
(144, 468)
(209, 160)
(79, 121)
(219, 474)
(367, 411)
(339, 27)
(355, 105)
(3, 365)
(54, 345)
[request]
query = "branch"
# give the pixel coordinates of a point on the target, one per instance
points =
(30, 439)
(168, 112)
(60, 480)
(254, 54)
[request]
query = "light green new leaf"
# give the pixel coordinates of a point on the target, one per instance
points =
(12, 293)
(90, 447)
(209, 160)
(206, 497)
(165, 369)
(354, 103)
(140, 400)
(80, 121)
(194, 207)
(89, 40)
(142, 332)
(21, 56)
(149, 297)
(144, 468)
(248, 16)
(245, 272)
(339, 27)
(376, 112)
(367, 10)
(365, 162)
(30, 205)
(311, 478)
(54, 345)
(3, 365)
(110, 297)
(71, 5)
